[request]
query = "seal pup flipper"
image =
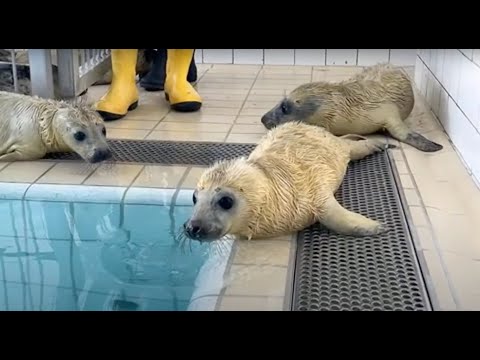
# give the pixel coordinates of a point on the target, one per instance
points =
(421, 143)
(400, 131)
(18, 155)
(338, 219)
(363, 148)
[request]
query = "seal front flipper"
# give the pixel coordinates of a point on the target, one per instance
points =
(17, 155)
(340, 220)
(363, 148)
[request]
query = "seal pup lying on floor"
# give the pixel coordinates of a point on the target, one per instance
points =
(286, 184)
(380, 97)
(31, 127)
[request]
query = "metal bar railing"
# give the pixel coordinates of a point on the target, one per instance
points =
(77, 70)
(41, 74)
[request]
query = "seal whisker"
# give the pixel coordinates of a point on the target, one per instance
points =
(180, 239)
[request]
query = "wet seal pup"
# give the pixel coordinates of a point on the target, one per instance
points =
(380, 97)
(31, 127)
(286, 184)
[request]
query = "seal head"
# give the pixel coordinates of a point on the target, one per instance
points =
(213, 214)
(82, 129)
(292, 108)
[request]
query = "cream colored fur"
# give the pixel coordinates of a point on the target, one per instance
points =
(31, 127)
(288, 183)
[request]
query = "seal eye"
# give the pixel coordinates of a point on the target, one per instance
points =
(284, 108)
(79, 136)
(225, 203)
(194, 199)
(104, 131)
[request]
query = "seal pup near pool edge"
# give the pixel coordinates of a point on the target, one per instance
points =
(378, 98)
(286, 184)
(31, 127)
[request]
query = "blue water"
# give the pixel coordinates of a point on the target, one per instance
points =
(89, 256)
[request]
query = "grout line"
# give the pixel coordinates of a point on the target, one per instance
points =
(450, 96)
(170, 109)
(34, 182)
(89, 176)
(433, 233)
(7, 165)
(244, 102)
(471, 60)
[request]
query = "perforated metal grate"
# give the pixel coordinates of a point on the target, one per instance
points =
(168, 152)
(336, 272)
(332, 272)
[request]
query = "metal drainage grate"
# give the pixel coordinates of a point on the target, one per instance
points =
(332, 272)
(168, 152)
(336, 272)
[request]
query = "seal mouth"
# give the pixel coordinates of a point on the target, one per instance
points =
(204, 237)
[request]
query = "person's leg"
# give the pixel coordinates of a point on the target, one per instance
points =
(155, 79)
(178, 91)
(122, 95)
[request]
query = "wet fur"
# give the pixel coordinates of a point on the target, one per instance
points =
(379, 98)
(285, 185)
(31, 127)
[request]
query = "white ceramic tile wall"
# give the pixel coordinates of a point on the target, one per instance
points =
(319, 57)
(368, 57)
(279, 57)
(449, 79)
(218, 56)
(310, 56)
(248, 56)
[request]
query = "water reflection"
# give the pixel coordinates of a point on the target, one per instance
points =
(86, 256)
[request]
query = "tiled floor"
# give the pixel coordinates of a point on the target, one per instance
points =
(444, 202)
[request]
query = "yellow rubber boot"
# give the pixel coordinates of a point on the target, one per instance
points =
(178, 91)
(122, 96)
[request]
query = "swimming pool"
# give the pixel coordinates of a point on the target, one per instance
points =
(97, 256)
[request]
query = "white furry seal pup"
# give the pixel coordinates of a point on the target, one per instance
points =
(31, 127)
(378, 98)
(286, 184)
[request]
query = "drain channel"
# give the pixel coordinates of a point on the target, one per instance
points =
(168, 152)
(335, 272)
(332, 272)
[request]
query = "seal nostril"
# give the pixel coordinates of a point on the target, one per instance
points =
(195, 230)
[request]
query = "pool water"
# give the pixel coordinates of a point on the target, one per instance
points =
(92, 256)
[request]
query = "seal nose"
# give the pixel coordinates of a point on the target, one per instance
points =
(266, 122)
(101, 155)
(194, 229)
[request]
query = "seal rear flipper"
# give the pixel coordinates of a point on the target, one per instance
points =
(338, 219)
(421, 143)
